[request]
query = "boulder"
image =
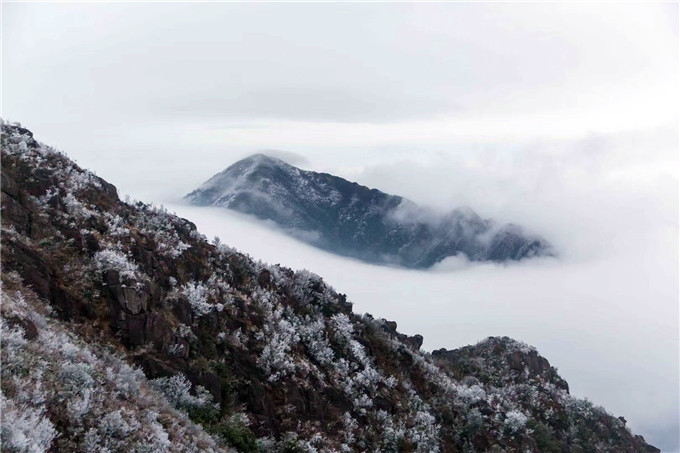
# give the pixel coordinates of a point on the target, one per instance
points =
(136, 329)
(157, 330)
(264, 278)
(414, 342)
(29, 328)
(181, 308)
(131, 299)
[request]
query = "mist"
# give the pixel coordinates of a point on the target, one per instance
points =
(604, 311)
(561, 118)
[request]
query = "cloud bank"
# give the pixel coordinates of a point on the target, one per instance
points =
(605, 312)
(559, 117)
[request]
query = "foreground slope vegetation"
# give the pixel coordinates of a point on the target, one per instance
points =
(124, 329)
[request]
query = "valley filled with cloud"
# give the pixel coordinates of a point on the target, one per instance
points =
(562, 118)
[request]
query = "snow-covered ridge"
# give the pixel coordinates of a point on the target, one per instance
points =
(354, 220)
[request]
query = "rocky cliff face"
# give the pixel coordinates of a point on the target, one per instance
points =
(353, 220)
(123, 329)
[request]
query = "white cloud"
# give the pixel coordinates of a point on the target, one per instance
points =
(605, 312)
(560, 117)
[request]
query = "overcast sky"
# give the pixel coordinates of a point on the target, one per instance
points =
(560, 117)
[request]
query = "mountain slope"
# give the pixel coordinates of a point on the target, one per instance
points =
(353, 220)
(123, 328)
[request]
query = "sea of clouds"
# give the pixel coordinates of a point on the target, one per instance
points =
(604, 312)
(561, 118)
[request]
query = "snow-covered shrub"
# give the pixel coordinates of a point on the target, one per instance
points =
(25, 428)
(474, 420)
(177, 389)
(109, 259)
(350, 426)
(197, 295)
(117, 226)
(313, 334)
(112, 432)
(304, 284)
(343, 326)
(158, 439)
(471, 394)
(274, 358)
(126, 379)
(76, 388)
(217, 285)
(170, 248)
(515, 420)
(391, 433)
(75, 377)
(280, 333)
(424, 433)
(76, 208)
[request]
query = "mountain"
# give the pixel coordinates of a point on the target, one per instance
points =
(123, 329)
(352, 220)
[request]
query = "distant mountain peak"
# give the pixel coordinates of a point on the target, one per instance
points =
(353, 220)
(254, 163)
(263, 159)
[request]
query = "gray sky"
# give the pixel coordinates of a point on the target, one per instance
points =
(561, 117)
(358, 73)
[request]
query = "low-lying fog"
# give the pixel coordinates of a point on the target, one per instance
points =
(609, 323)
(605, 312)
(547, 115)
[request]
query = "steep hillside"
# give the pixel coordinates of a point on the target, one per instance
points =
(352, 220)
(123, 329)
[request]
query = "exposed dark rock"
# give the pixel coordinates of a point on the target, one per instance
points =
(30, 331)
(384, 404)
(258, 399)
(182, 310)
(415, 342)
(210, 381)
(264, 278)
(136, 330)
(131, 299)
(154, 367)
(295, 398)
(13, 209)
(111, 277)
(32, 265)
(157, 330)
(338, 399)
(390, 326)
